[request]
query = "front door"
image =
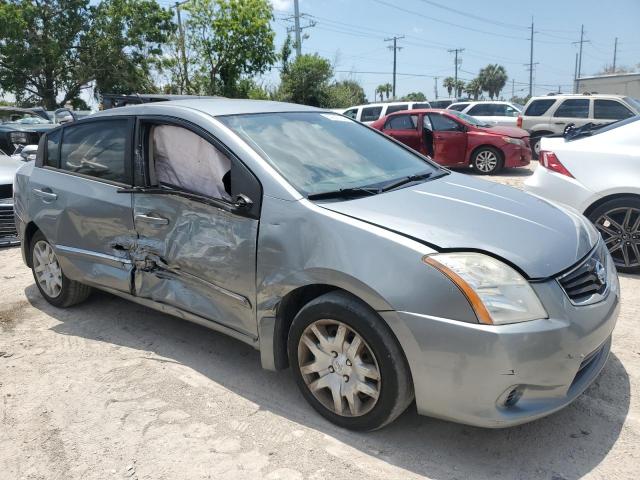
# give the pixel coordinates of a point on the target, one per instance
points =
(449, 140)
(404, 128)
(196, 248)
(572, 111)
(75, 200)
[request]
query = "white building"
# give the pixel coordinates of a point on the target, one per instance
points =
(618, 83)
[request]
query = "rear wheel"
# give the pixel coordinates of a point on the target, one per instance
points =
(347, 363)
(54, 286)
(535, 147)
(486, 160)
(618, 221)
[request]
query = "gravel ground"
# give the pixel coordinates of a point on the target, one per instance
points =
(109, 389)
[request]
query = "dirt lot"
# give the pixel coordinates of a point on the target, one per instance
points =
(109, 389)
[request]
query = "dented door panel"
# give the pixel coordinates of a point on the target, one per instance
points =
(196, 257)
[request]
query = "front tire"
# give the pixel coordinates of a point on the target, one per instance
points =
(618, 221)
(53, 284)
(535, 147)
(487, 161)
(348, 364)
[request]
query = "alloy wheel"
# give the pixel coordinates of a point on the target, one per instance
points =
(47, 270)
(620, 229)
(486, 161)
(339, 368)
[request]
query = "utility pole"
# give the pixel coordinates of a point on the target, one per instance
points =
(435, 86)
(297, 28)
(513, 88)
(615, 51)
(575, 75)
(395, 49)
(531, 60)
(457, 51)
(579, 69)
(182, 49)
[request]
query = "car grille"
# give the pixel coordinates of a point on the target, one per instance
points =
(6, 191)
(7, 222)
(587, 283)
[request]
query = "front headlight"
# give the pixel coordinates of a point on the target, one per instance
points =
(515, 141)
(497, 293)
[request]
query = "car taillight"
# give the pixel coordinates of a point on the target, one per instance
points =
(550, 160)
(519, 122)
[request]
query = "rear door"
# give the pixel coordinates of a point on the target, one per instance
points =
(570, 111)
(196, 247)
(75, 200)
(404, 128)
(607, 111)
(449, 140)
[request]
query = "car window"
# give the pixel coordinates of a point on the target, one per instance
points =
(441, 123)
(402, 122)
(96, 149)
(483, 110)
(458, 106)
(610, 109)
(509, 111)
(370, 114)
(396, 108)
(182, 159)
(416, 106)
(352, 113)
(53, 151)
(539, 107)
(573, 108)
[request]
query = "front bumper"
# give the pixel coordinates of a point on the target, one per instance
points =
(466, 372)
(516, 156)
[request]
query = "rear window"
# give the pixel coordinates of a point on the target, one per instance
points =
(573, 108)
(352, 113)
(538, 107)
(610, 109)
(402, 122)
(458, 107)
(370, 114)
(396, 108)
(483, 110)
(416, 106)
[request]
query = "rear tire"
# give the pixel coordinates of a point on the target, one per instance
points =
(618, 221)
(487, 161)
(348, 364)
(534, 143)
(53, 284)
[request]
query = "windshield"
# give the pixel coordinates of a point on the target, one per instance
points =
(321, 152)
(21, 118)
(469, 119)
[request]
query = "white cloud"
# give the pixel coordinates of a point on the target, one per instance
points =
(281, 5)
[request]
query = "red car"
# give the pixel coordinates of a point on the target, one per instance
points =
(455, 139)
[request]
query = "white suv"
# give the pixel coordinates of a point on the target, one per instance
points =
(373, 111)
(550, 115)
(498, 113)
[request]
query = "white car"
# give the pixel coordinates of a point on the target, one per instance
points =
(497, 113)
(371, 112)
(596, 170)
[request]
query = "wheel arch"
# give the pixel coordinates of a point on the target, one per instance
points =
(607, 198)
(29, 231)
(486, 145)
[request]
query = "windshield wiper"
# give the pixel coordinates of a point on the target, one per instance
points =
(344, 192)
(404, 181)
(571, 132)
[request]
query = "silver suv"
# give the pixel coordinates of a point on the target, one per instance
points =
(550, 115)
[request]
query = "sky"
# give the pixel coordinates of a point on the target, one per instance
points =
(351, 34)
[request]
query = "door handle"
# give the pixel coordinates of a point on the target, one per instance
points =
(152, 220)
(45, 194)
(558, 123)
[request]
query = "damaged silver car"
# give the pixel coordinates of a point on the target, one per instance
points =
(376, 275)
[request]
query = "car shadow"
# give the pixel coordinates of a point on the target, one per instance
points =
(566, 445)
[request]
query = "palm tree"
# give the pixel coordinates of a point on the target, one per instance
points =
(449, 83)
(474, 88)
(493, 78)
(384, 89)
(459, 88)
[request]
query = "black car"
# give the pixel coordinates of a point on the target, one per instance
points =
(22, 126)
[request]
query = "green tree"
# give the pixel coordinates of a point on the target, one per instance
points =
(51, 50)
(229, 39)
(345, 94)
(449, 83)
(384, 89)
(493, 78)
(285, 53)
(306, 81)
(473, 88)
(414, 97)
(459, 88)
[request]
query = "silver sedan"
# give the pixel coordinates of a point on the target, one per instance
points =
(376, 275)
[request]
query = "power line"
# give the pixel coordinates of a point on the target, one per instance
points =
(297, 28)
(395, 49)
(456, 51)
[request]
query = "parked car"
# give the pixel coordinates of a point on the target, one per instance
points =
(596, 170)
(496, 113)
(8, 168)
(442, 103)
(550, 115)
(21, 126)
(377, 275)
(456, 139)
(371, 112)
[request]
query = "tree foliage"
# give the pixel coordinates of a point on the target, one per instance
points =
(449, 83)
(493, 78)
(306, 81)
(51, 50)
(229, 39)
(414, 97)
(384, 89)
(473, 88)
(344, 94)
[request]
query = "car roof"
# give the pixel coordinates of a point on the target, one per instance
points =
(576, 95)
(214, 107)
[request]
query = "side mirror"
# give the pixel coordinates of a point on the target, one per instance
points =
(242, 202)
(29, 152)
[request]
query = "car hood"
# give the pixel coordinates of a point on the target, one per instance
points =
(513, 132)
(36, 127)
(458, 212)
(8, 168)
